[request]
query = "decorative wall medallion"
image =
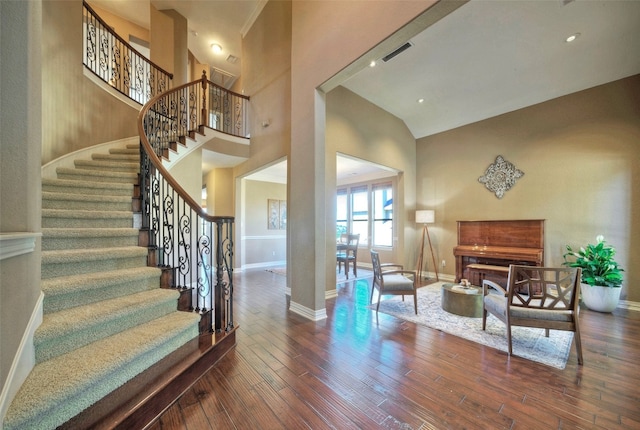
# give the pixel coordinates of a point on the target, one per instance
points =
(500, 176)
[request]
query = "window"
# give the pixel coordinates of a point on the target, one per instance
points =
(366, 210)
(360, 213)
(382, 215)
(341, 215)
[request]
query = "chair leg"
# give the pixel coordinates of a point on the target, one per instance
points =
(509, 339)
(484, 319)
(346, 268)
(355, 269)
(546, 332)
(576, 339)
(415, 302)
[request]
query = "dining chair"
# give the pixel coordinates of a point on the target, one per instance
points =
(398, 282)
(347, 253)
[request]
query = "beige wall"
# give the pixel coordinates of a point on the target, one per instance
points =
(161, 42)
(76, 112)
(266, 73)
(121, 26)
(579, 155)
(178, 32)
(20, 185)
(358, 128)
(219, 183)
(188, 173)
(262, 246)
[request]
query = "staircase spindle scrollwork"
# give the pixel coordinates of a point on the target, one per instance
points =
(195, 246)
(114, 60)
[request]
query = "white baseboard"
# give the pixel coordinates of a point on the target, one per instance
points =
(263, 265)
(331, 294)
(23, 361)
(313, 315)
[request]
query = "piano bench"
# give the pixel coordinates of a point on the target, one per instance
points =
(479, 272)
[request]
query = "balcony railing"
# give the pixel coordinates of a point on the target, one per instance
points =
(195, 247)
(117, 63)
(185, 109)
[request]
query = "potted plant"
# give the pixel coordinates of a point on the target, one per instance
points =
(601, 276)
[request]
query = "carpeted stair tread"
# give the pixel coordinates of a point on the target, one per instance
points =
(61, 218)
(87, 187)
(127, 150)
(69, 329)
(76, 261)
(70, 238)
(53, 200)
(108, 165)
(96, 175)
(76, 290)
(59, 389)
(125, 156)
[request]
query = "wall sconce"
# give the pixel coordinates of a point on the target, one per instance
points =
(426, 217)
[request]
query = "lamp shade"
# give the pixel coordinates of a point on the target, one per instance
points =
(425, 217)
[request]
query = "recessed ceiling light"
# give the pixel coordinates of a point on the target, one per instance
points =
(372, 63)
(216, 48)
(573, 37)
(420, 100)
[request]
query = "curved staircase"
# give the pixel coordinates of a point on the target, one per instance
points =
(106, 320)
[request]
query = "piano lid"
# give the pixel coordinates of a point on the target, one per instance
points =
(502, 233)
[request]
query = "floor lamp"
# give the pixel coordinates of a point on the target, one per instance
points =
(426, 217)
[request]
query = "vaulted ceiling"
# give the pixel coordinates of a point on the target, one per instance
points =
(486, 58)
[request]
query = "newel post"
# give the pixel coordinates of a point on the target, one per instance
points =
(204, 99)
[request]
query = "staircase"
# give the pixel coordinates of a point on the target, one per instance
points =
(106, 320)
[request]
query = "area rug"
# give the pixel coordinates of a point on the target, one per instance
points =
(529, 343)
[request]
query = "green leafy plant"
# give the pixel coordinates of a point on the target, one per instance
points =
(597, 263)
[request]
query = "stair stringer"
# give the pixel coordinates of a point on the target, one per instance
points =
(228, 150)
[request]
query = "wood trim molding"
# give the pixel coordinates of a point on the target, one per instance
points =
(14, 244)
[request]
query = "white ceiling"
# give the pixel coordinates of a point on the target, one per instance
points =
(492, 57)
(486, 58)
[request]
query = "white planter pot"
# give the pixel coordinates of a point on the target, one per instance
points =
(601, 299)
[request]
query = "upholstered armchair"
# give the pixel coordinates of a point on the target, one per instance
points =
(542, 297)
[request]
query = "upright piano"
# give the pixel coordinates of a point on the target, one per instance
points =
(486, 248)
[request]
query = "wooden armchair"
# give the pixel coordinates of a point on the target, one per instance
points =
(347, 253)
(396, 282)
(542, 297)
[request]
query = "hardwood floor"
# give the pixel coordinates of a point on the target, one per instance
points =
(353, 372)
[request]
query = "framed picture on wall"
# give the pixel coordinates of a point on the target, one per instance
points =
(277, 214)
(273, 214)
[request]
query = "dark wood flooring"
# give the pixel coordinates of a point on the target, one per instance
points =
(353, 372)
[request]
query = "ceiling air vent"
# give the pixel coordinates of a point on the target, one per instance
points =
(397, 51)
